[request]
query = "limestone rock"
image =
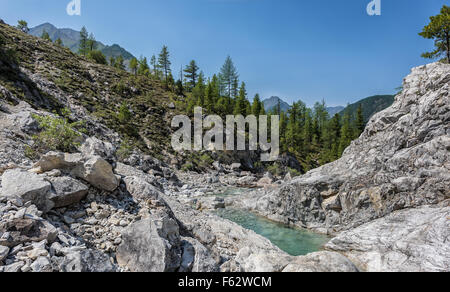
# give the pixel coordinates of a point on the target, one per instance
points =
(42, 265)
(321, 262)
(57, 160)
(67, 191)
(98, 173)
(4, 251)
(140, 189)
(17, 231)
(413, 240)
(151, 245)
(29, 187)
(87, 261)
(95, 147)
(196, 257)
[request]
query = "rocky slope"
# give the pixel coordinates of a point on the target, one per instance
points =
(401, 161)
(88, 211)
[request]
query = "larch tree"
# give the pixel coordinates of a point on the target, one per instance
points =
(191, 74)
(23, 26)
(439, 30)
(228, 78)
(164, 62)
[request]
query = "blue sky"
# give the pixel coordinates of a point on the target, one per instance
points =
(309, 50)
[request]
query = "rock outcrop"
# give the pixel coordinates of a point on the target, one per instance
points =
(398, 172)
(402, 160)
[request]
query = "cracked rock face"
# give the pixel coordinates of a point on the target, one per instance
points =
(413, 240)
(402, 160)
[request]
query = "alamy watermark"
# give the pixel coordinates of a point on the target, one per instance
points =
(74, 8)
(213, 139)
(374, 8)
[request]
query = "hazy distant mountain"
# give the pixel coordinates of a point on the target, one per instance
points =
(271, 103)
(71, 39)
(334, 110)
(371, 105)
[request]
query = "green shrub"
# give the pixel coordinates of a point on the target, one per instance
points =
(125, 149)
(97, 57)
(57, 133)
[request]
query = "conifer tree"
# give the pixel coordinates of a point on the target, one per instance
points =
(191, 74)
(228, 78)
(164, 62)
(359, 122)
(439, 30)
(23, 26)
(45, 35)
(83, 47)
(134, 66)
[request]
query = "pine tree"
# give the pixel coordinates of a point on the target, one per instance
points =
(359, 122)
(164, 62)
(23, 26)
(240, 107)
(83, 47)
(256, 106)
(112, 61)
(45, 35)
(154, 65)
(191, 75)
(143, 68)
(134, 66)
(124, 115)
(439, 30)
(91, 43)
(59, 42)
(119, 63)
(198, 93)
(228, 78)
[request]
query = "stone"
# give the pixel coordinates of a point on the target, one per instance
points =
(4, 251)
(95, 147)
(413, 240)
(98, 173)
(42, 265)
(67, 191)
(151, 245)
(57, 160)
(321, 262)
(29, 187)
(87, 261)
(13, 268)
(140, 189)
(26, 230)
(196, 257)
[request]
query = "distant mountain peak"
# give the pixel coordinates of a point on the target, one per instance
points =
(71, 38)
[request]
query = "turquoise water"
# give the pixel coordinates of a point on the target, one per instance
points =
(293, 241)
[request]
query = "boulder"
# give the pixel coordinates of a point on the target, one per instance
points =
(17, 231)
(41, 265)
(95, 147)
(67, 191)
(4, 251)
(87, 261)
(323, 261)
(29, 187)
(413, 240)
(140, 189)
(57, 160)
(98, 173)
(196, 257)
(151, 245)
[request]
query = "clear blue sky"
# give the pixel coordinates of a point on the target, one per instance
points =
(296, 49)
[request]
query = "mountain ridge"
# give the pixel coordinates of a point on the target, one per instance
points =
(71, 38)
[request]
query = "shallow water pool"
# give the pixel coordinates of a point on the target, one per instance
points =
(294, 241)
